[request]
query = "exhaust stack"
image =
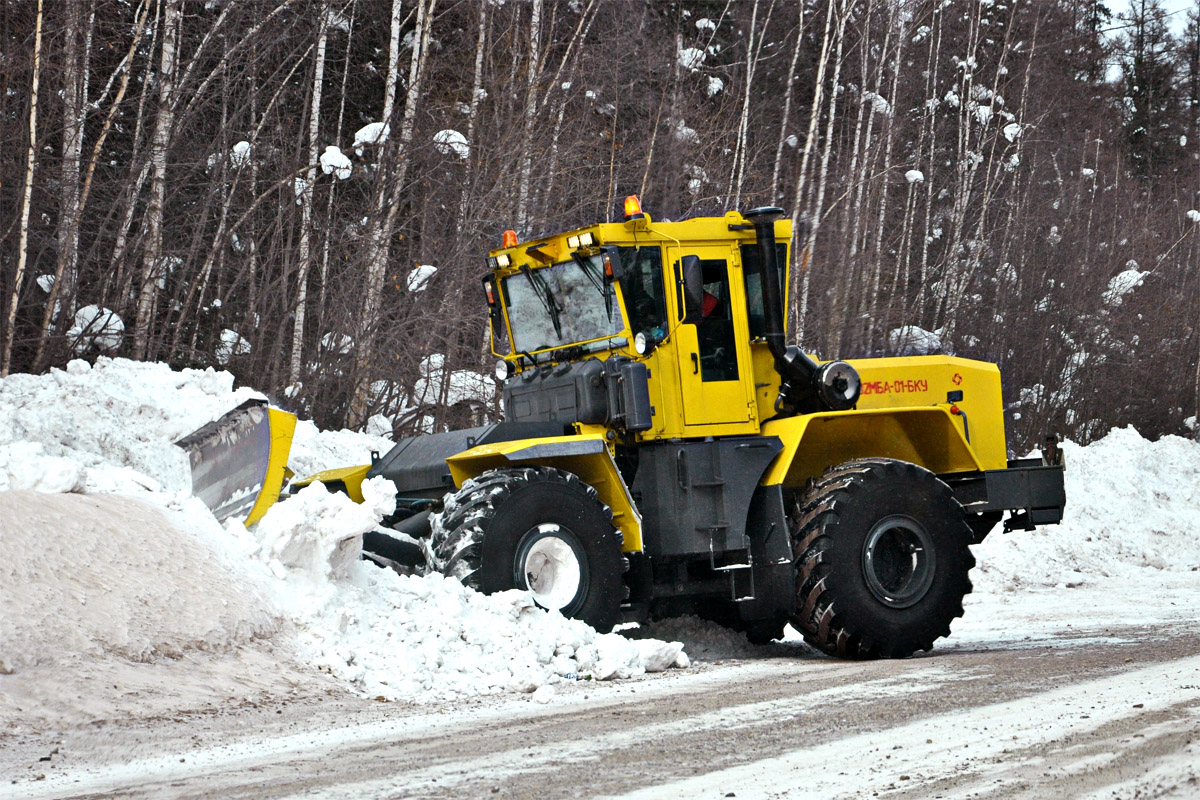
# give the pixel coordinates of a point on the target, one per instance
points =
(806, 386)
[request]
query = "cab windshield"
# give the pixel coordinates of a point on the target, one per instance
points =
(561, 305)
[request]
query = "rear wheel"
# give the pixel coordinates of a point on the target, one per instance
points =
(536, 528)
(881, 560)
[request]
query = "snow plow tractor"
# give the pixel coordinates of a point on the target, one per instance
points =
(664, 451)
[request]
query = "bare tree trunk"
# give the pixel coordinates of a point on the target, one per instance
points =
(306, 201)
(328, 242)
(125, 68)
(531, 107)
(26, 200)
(152, 261)
(787, 105)
(798, 291)
(817, 206)
(473, 116)
(384, 223)
(736, 170)
(74, 97)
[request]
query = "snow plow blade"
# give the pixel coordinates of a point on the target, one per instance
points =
(239, 461)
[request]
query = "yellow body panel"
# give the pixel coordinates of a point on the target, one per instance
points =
(926, 380)
(283, 427)
(351, 477)
(596, 468)
(813, 442)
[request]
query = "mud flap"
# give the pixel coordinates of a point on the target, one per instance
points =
(238, 461)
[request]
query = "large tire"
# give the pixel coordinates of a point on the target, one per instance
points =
(882, 557)
(534, 528)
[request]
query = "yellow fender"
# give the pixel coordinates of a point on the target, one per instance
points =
(587, 456)
(926, 435)
(350, 477)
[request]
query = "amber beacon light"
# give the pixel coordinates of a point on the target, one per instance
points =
(633, 208)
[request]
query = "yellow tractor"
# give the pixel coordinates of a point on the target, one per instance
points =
(664, 451)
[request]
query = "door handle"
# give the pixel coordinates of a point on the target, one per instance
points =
(695, 363)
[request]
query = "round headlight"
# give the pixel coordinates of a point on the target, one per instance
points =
(641, 343)
(839, 385)
(503, 370)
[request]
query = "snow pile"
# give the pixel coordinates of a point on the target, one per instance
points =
(89, 576)
(1131, 515)
(314, 450)
(114, 423)
(396, 637)
(104, 575)
(1127, 553)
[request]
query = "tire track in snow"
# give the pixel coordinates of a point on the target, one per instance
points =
(947, 745)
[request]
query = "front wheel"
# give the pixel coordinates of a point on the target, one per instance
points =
(882, 559)
(536, 528)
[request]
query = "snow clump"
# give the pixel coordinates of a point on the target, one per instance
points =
(239, 156)
(445, 387)
(914, 176)
(1193, 215)
(911, 340)
(685, 134)
(418, 279)
(334, 161)
(451, 141)
(691, 58)
(715, 86)
(371, 133)
(96, 328)
(1123, 283)
(231, 344)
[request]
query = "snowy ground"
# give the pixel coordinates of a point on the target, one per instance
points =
(121, 598)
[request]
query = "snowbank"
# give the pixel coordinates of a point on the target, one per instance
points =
(114, 422)
(99, 575)
(1127, 553)
(153, 576)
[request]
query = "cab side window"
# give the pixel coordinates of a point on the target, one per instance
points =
(714, 331)
(754, 299)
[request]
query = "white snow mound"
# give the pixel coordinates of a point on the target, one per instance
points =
(90, 577)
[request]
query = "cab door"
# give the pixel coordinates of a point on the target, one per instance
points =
(713, 351)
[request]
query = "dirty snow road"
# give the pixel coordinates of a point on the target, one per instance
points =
(1105, 713)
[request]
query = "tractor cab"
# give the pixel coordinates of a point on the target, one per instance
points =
(675, 316)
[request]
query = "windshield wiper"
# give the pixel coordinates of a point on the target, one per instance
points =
(596, 280)
(546, 297)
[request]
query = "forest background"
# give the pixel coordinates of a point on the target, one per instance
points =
(268, 186)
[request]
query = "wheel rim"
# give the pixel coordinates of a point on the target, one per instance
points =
(550, 564)
(898, 561)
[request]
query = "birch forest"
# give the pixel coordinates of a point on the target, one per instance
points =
(303, 192)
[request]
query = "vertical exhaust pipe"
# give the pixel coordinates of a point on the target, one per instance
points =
(806, 385)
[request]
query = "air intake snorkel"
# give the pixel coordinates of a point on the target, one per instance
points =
(806, 386)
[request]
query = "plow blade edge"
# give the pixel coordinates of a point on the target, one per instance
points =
(239, 461)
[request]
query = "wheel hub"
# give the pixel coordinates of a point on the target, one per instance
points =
(898, 561)
(549, 563)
